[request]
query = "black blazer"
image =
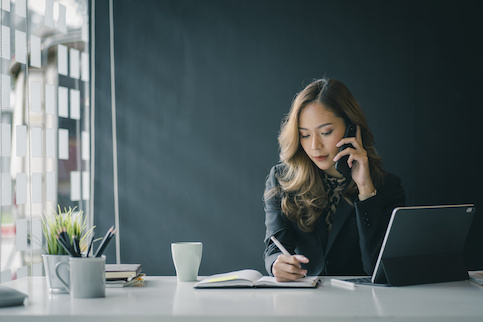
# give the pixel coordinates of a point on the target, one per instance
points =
(353, 244)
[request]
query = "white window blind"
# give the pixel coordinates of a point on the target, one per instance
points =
(45, 123)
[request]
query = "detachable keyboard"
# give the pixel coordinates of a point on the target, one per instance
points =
(359, 280)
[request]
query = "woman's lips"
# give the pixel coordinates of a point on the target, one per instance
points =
(320, 157)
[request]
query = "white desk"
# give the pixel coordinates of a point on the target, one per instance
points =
(163, 299)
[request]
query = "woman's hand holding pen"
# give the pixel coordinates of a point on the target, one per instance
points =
(287, 267)
(358, 162)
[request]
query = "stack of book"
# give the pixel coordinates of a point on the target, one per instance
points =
(476, 277)
(122, 275)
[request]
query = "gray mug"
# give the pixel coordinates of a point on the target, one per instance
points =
(87, 276)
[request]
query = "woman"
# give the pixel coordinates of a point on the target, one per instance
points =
(331, 225)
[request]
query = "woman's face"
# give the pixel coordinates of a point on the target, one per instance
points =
(320, 130)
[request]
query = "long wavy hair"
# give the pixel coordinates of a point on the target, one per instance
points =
(303, 196)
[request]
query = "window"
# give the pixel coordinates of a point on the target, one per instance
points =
(45, 123)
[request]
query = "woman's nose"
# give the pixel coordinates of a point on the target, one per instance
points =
(316, 143)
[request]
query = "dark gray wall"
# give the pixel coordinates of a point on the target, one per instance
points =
(203, 85)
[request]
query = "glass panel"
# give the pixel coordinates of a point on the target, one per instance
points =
(45, 129)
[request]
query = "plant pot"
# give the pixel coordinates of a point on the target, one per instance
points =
(53, 282)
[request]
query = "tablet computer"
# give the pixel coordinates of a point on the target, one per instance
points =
(424, 244)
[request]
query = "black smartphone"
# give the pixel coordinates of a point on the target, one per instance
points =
(341, 164)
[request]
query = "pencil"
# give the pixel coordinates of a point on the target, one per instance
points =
(64, 236)
(103, 247)
(108, 240)
(65, 246)
(104, 242)
(90, 245)
(76, 245)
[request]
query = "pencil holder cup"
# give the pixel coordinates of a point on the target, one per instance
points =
(187, 259)
(87, 276)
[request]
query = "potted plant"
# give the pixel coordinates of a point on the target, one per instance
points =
(74, 224)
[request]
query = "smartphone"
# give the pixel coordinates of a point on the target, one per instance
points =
(341, 164)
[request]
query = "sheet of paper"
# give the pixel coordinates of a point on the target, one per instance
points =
(36, 188)
(35, 57)
(20, 47)
(50, 141)
(85, 67)
(6, 189)
(62, 60)
(21, 140)
(75, 184)
(74, 56)
(75, 104)
(36, 140)
(51, 186)
(6, 139)
(223, 279)
(63, 101)
(86, 145)
(62, 19)
(36, 97)
(6, 42)
(50, 99)
(63, 144)
(49, 13)
(85, 185)
(21, 8)
(21, 188)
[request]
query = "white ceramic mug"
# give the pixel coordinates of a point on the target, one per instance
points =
(87, 276)
(187, 259)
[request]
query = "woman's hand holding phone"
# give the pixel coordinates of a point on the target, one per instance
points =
(287, 267)
(358, 162)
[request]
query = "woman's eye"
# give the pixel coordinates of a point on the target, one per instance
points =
(303, 136)
(328, 133)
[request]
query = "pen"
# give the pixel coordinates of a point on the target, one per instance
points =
(342, 283)
(280, 246)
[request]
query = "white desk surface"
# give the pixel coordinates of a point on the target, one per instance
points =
(163, 299)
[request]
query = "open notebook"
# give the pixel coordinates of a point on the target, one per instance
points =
(252, 278)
